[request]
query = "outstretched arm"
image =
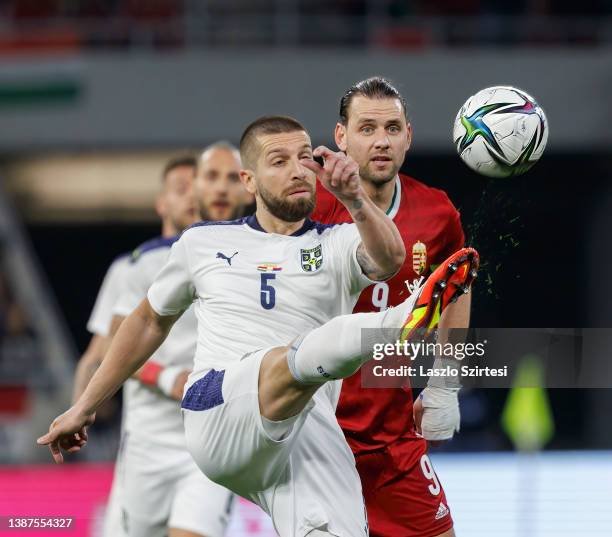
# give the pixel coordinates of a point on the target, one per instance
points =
(88, 364)
(169, 380)
(381, 252)
(138, 337)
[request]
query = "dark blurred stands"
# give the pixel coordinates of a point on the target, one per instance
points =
(65, 25)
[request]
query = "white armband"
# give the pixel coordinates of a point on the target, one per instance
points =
(167, 378)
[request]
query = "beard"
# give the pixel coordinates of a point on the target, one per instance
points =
(289, 210)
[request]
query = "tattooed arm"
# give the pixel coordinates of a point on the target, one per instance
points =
(381, 252)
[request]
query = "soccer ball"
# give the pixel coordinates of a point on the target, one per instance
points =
(500, 132)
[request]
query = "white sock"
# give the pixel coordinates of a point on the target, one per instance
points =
(341, 346)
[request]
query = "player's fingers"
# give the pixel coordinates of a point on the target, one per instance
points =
(79, 445)
(350, 174)
(325, 152)
(46, 439)
(76, 440)
(337, 172)
(56, 452)
(329, 177)
(313, 166)
(42, 440)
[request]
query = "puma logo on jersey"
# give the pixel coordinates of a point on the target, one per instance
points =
(221, 255)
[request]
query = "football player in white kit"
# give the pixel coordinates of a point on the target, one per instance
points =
(157, 489)
(260, 415)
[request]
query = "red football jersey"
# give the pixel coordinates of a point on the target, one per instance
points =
(372, 418)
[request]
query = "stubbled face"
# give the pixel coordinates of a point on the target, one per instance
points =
(280, 181)
(219, 191)
(377, 136)
(177, 203)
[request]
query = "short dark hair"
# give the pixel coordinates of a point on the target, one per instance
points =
(262, 126)
(375, 87)
(187, 159)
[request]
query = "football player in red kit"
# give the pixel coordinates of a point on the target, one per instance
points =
(403, 495)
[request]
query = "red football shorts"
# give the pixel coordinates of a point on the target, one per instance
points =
(403, 495)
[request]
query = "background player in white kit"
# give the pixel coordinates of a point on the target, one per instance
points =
(157, 485)
(259, 424)
(176, 207)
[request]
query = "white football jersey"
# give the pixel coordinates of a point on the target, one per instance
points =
(147, 412)
(255, 289)
(99, 322)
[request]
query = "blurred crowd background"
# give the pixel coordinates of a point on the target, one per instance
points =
(95, 95)
(166, 24)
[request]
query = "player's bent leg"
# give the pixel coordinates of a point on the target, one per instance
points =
(290, 376)
(225, 431)
(305, 479)
(338, 348)
(449, 533)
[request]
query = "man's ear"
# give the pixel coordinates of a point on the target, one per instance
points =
(340, 136)
(248, 180)
(409, 135)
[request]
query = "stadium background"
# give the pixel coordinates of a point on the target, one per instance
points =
(95, 95)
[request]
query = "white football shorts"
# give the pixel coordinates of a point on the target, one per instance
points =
(307, 482)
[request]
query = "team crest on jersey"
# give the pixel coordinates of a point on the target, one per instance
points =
(311, 258)
(419, 257)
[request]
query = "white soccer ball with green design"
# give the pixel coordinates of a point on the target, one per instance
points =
(500, 132)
